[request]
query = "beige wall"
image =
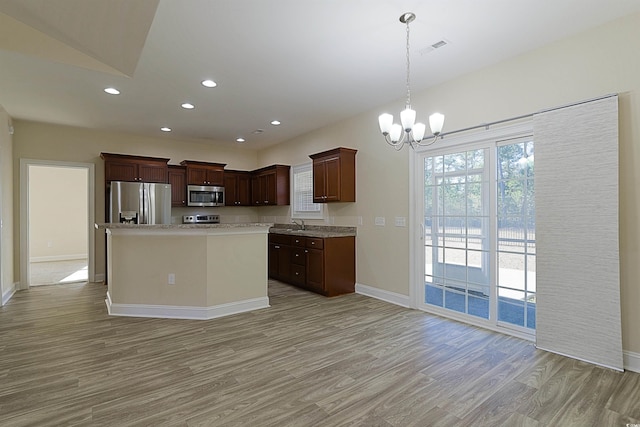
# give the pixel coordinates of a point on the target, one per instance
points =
(6, 205)
(600, 61)
(597, 62)
(57, 213)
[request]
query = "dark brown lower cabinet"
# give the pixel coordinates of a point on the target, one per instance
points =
(280, 257)
(323, 265)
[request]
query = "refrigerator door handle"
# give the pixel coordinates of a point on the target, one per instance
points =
(144, 203)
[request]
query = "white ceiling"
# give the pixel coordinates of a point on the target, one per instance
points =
(306, 63)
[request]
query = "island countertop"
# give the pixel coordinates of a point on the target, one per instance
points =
(115, 225)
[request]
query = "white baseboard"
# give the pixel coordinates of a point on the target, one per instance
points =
(381, 294)
(6, 296)
(70, 257)
(185, 312)
(99, 278)
(631, 361)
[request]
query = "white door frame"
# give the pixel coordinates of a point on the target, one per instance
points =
(25, 278)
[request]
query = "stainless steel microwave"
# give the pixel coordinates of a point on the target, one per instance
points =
(205, 195)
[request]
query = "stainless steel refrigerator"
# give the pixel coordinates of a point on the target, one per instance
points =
(140, 203)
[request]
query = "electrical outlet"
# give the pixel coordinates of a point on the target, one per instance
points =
(380, 221)
(400, 221)
(172, 279)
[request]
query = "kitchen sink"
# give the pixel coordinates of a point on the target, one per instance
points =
(290, 230)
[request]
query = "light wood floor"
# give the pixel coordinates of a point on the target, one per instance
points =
(306, 361)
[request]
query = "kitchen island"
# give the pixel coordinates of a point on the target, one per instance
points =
(186, 271)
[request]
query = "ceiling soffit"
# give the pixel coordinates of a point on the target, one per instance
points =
(102, 36)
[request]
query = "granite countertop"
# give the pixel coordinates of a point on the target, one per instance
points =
(321, 231)
(114, 226)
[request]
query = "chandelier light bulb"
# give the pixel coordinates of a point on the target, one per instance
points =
(418, 131)
(408, 119)
(385, 121)
(436, 121)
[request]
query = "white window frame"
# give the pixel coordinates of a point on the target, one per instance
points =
(296, 210)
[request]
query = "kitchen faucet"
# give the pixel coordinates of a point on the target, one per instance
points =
(301, 225)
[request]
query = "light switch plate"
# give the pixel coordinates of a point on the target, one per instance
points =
(380, 221)
(400, 221)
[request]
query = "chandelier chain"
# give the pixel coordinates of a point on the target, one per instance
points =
(408, 67)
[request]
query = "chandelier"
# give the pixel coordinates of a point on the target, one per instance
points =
(409, 131)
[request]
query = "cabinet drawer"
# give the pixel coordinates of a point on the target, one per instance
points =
(298, 274)
(283, 239)
(298, 256)
(298, 241)
(314, 242)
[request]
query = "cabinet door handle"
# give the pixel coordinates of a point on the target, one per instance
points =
(276, 247)
(306, 251)
(313, 243)
(297, 255)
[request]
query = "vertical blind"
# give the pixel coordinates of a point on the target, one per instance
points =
(578, 277)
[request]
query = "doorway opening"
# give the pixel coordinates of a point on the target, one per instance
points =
(57, 216)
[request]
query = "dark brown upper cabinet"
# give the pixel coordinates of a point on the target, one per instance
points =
(270, 186)
(334, 175)
(203, 173)
(122, 167)
(237, 188)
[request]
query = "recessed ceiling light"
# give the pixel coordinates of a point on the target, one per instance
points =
(112, 91)
(209, 83)
(240, 140)
(257, 131)
(275, 122)
(165, 129)
(188, 106)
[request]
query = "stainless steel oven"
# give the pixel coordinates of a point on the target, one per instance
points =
(205, 195)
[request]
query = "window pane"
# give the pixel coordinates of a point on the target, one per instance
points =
(455, 162)
(475, 203)
(475, 159)
(434, 293)
(455, 231)
(454, 199)
(428, 171)
(511, 234)
(511, 306)
(511, 273)
(511, 197)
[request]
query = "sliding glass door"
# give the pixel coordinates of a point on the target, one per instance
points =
(479, 233)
